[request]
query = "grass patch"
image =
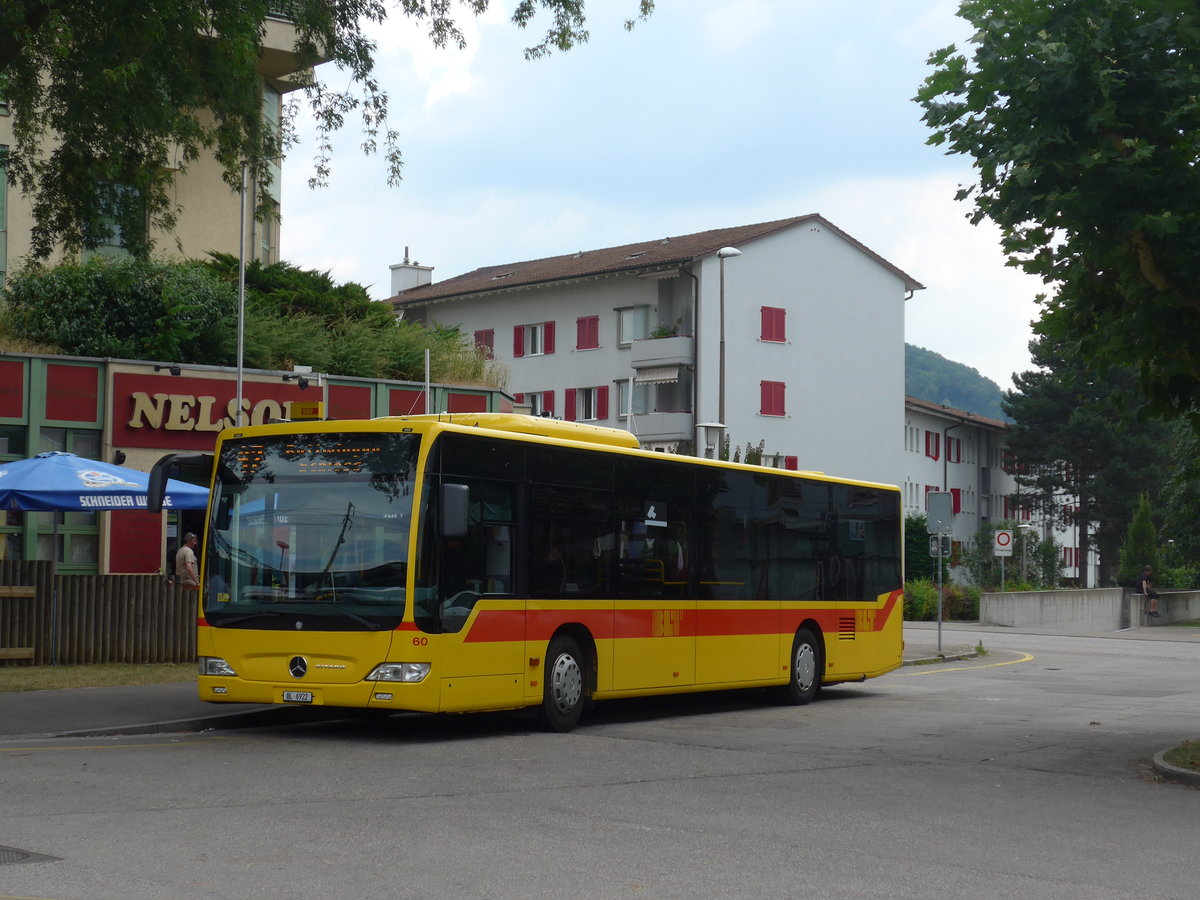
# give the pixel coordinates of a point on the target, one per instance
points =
(1190, 623)
(1185, 756)
(57, 678)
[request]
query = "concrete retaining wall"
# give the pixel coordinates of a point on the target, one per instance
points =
(1096, 609)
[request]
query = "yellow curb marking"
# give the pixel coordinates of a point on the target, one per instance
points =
(933, 668)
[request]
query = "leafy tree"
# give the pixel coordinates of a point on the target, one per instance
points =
(1140, 548)
(1082, 122)
(1080, 456)
(1180, 504)
(917, 561)
(1034, 563)
(126, 308)
(126, 85)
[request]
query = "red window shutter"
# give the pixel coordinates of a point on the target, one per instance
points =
(587, 333)
(548, 331)
(791, 462)
(518, 398)
(518, 340)
(933, 445)
(569, 404)
(772, 398)
(773, 323)
(602, 402)
(548, 402)
(956, 493)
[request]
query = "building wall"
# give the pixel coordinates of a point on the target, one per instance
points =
(841, 364)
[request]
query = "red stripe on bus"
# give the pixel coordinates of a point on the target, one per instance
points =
(700, 621)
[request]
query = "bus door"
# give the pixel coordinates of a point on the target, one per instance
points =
(469, 604)
(655, 620)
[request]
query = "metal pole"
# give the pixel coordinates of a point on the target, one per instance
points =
(721, 362)
(939, 616)
(241, 329)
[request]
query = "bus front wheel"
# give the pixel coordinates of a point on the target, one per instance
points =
(563, 694)
(806, 665)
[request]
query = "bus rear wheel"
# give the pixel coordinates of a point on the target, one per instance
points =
(563, 689)
(806, 665)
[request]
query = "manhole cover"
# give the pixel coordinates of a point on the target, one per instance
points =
(14, 855)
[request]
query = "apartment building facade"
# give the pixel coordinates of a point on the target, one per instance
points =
(947, 449)
(789, 334)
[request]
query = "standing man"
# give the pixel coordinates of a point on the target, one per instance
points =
(1144, 586)
(186, 572)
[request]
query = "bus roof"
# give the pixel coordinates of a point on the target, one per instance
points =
(539, 425)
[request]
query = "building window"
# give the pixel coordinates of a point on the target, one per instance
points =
(586, 404)
(933, 445)
(953, 449)
(641, 399)
(774, 324)
(533, 340)
(541, 403)
(772, 398)
(485, 340)
(633, 324)
(587, 333)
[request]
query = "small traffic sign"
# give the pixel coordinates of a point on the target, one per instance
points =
(939, 508)
(1002, 543)
(939, 545)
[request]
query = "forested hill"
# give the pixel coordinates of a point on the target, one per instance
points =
(930, 376)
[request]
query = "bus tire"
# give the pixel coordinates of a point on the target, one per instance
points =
(563, 685)
(805, 666)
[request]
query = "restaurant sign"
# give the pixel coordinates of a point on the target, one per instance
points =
(186, 413)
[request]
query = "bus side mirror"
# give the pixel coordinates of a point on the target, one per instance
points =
(455, 509)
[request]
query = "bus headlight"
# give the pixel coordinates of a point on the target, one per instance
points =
(406, 672)
(214, 665)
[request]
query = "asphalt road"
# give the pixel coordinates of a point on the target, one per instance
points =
(1023, 773)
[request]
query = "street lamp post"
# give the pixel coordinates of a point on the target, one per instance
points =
(723, 254)
(241, 326)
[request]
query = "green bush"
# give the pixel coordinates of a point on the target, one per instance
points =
(125, 308)
(920, 600)
(1180, 578)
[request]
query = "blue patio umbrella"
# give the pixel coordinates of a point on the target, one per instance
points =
(63, 482)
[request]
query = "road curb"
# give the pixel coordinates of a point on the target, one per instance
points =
(1174, 773)
(941, 657)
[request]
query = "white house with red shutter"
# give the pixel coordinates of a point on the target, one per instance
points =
(947, 449)
(788, 333)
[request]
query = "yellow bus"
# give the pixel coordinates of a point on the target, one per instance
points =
(491, 561)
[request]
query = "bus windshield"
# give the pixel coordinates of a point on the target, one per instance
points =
(310, 531)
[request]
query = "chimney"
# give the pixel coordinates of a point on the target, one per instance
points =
(407, 275)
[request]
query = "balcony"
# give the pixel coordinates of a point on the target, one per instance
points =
(663, 427)
(652, 353)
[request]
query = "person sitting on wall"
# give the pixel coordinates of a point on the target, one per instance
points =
(1144, 587)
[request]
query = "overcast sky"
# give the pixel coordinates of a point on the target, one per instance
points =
(713, 113)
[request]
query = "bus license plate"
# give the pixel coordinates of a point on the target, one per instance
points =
(297, 697)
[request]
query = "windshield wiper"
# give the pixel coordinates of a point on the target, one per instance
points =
(333, 604)
(246, 617)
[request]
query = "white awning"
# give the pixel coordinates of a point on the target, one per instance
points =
(656, 375)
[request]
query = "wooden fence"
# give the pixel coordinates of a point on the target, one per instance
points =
(87, 619)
